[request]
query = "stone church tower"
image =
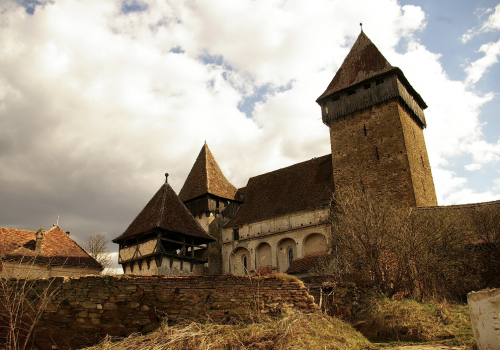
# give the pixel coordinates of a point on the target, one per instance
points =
(376, 122)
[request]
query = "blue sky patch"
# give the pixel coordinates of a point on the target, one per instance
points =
(177, 49)
(30, 5)
(133, 6)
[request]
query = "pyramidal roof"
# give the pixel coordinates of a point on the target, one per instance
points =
(166, 211)
(363, 62)
(206, 178)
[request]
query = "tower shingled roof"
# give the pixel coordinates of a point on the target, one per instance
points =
(206, 177)
(364, 62)
(165, 211)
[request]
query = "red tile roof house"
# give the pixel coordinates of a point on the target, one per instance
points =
(43, 254)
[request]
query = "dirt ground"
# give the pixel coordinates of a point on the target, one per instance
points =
(424, 347)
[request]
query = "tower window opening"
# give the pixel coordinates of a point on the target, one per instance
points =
(290, 256)
(367, 86)
(376, 151)
(422, 159)
(236, 234)
(335, 98)
(364, 128)
(351, 92)
(326, 109)
(379, 81)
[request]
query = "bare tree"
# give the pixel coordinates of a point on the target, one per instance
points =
(96, 246)
(425, 253)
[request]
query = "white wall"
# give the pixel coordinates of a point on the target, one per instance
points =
(294, 228)
(484, 309)
(23, 270)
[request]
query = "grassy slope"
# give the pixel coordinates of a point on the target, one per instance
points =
(410, 321)
(406, 321)
(297, 331)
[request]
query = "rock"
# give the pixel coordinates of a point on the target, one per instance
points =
(150, 327)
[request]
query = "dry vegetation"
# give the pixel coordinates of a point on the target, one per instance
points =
(96, 246)
(22, 304)
(411, 321)
(296, 331)
(423, 254)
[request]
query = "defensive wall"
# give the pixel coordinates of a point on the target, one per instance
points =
(86, 309)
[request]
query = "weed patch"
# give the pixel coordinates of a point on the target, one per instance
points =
(383, 319)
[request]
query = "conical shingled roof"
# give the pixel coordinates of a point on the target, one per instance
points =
(364, 61)
(206, 178)
(166, 211)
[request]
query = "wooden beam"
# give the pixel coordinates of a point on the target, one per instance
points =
(182, 243)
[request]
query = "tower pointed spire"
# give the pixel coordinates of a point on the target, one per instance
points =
(363, 62)
(206, 177)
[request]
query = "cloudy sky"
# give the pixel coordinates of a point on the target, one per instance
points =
(99, 98)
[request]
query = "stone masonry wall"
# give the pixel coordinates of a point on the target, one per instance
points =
(420, 167)
(338, 298)
(377, 149)
(88, 308)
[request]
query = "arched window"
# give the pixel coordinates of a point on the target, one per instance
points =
(290, 256)
(245, 266)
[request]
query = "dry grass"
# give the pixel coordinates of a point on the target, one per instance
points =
(409, 320)
(296, 331)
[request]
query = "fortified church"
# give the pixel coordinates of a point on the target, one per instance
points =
(279, 222)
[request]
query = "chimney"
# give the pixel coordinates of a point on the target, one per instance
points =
(67, 232)
(39, 239)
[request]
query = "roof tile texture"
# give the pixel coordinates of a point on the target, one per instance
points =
(306, 185)
(206, 178)
(165, 211)
(57, 248)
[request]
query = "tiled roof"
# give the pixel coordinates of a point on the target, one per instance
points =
(206, 177)
(364, 62)
(165, 211)
(306, 185)
(57, 248)
(307, 263)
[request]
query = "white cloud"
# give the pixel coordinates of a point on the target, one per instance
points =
(95, 106)
(492, 23)
(478, 68)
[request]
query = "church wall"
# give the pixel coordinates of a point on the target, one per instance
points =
(369, 151)
(205, 220)
(281, 231)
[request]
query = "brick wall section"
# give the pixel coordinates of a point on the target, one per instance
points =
(88, 308)
(383, 159)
